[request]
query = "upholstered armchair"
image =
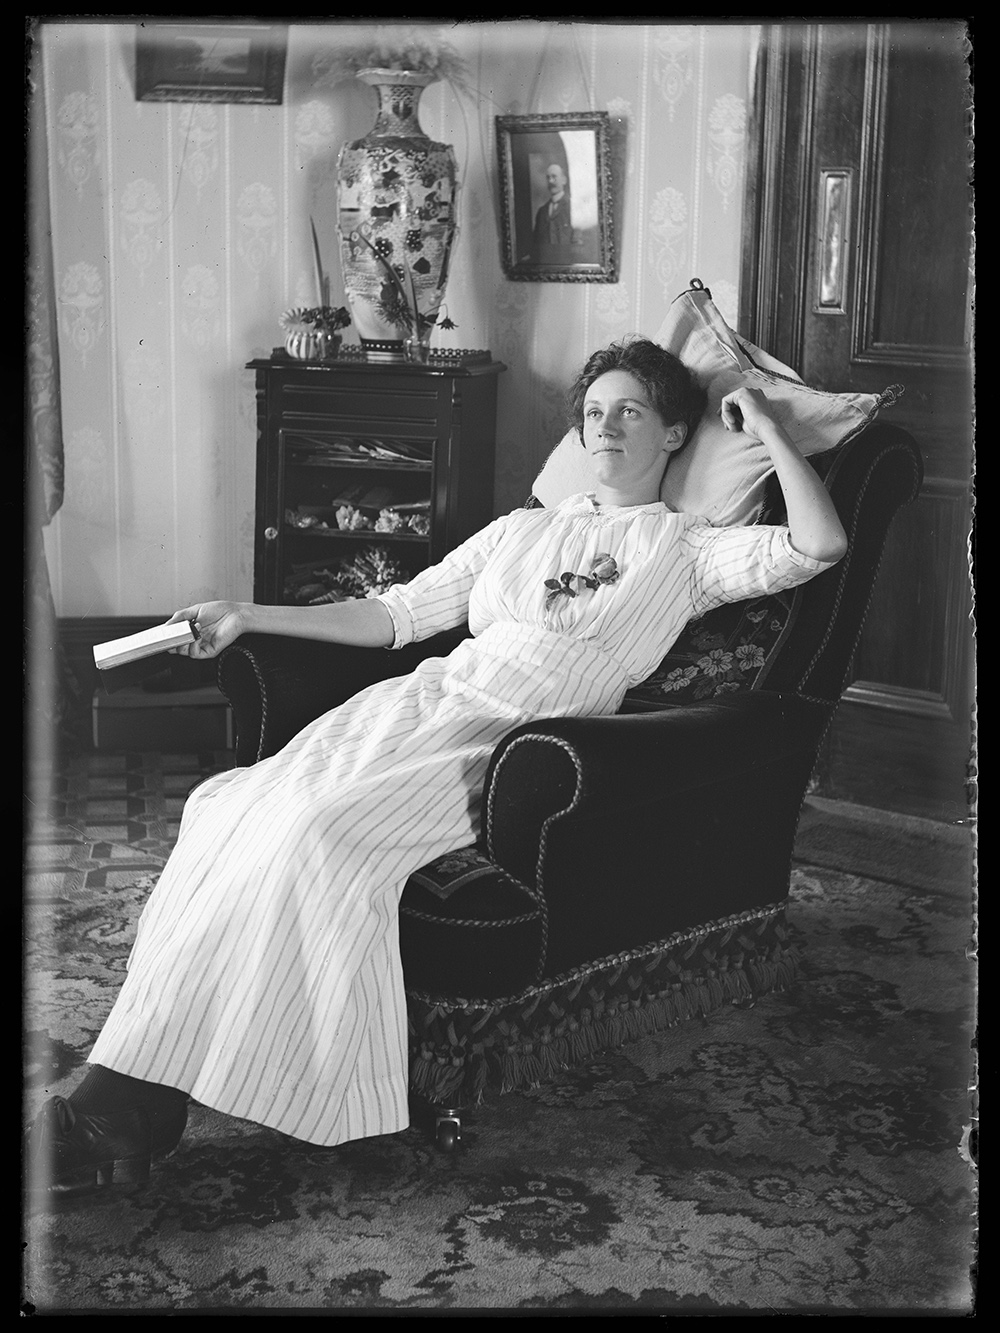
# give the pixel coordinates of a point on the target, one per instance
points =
(632, 871)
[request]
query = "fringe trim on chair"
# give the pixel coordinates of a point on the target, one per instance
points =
(516, 1046)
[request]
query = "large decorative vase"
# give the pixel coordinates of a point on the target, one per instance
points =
(396, 196)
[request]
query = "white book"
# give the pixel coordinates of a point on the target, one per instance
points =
(116, 652)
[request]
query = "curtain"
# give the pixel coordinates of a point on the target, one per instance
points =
(52, 693)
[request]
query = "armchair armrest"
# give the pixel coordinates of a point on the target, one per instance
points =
(636, 826)
(869, 479)
(277, 685)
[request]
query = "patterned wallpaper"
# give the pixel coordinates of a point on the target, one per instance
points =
(181, 231)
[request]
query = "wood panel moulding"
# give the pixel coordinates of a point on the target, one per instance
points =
(916, 139)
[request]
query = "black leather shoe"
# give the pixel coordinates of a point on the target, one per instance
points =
(71, 1153)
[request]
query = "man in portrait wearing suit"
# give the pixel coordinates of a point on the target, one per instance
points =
(553, 238)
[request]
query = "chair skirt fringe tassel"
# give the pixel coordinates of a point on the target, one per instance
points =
(459, 1049)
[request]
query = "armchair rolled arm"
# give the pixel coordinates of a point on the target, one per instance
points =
(697, 806)
(277, 685)
(869, 479)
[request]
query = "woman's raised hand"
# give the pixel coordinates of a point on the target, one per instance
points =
(814, 525)
(747, 410)
(218, 625)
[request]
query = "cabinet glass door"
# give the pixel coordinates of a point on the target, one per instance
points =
(355, 514)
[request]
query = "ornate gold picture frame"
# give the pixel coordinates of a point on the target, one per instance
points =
(555, 197)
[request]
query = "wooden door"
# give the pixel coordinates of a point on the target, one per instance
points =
(856, 273)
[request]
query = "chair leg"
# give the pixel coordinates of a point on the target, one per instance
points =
(443, 1123)
(447, 1127)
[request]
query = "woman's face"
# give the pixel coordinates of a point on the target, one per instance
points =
(625, 436)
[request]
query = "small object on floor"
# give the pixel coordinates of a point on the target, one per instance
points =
(69, 1153)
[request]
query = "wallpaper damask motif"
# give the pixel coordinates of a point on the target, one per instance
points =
(181, 231)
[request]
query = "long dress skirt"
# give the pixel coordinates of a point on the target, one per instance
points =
(265, 978)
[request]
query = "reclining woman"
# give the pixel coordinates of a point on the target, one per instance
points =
(265, 978)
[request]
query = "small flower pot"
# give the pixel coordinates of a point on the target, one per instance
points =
(314, 345)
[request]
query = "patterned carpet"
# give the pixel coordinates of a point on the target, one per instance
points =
(809, 1155)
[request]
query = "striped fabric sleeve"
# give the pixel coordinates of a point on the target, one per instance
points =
(735, 563)
(437, 598)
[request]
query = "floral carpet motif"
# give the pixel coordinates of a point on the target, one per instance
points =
(807, 1155)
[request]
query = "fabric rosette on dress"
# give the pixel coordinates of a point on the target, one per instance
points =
(603, 570)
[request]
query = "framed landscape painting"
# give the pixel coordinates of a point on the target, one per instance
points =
(210, 62)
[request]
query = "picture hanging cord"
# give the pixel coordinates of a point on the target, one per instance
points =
(533, 96)
(532, 100)
(531, 108)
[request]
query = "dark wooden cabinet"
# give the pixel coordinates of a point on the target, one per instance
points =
(368, 470)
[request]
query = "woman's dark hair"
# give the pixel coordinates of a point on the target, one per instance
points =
(670, 385)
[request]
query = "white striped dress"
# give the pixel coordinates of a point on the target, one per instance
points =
(265, 977)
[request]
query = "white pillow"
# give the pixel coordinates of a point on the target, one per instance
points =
(721, 475)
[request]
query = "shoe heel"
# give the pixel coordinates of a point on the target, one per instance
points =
(126, 1171)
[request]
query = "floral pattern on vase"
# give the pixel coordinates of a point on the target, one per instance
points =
(397, 195)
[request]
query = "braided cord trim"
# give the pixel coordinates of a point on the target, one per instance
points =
(539, 887)
(472, 922)
(619, 961)
(234, 649)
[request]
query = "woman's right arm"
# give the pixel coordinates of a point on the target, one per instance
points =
(436, 598)
(814, 525)
(361, 622)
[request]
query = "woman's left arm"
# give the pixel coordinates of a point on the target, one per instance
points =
(814, 526)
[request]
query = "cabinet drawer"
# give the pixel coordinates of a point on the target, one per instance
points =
(356, 404)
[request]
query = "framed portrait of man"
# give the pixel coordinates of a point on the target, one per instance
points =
(555, 197)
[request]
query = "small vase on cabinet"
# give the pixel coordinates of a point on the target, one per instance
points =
(397, 195)
(314, 334)
(316, 346)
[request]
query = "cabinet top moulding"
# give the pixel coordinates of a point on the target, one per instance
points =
(441, 363)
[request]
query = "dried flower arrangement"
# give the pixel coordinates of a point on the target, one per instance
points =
(417, 47)
(367, 574)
